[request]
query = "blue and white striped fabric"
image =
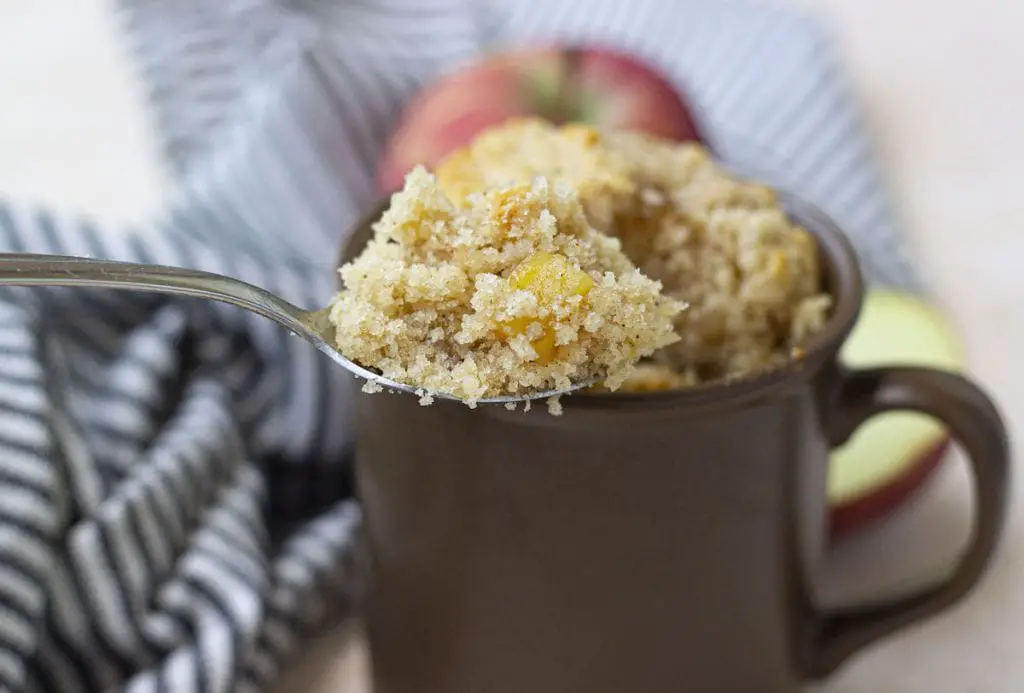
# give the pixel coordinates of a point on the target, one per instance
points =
(175, 501)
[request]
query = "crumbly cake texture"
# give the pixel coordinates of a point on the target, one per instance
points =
(724, 246)
(509, 292)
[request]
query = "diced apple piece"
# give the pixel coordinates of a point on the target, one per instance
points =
(550, 277)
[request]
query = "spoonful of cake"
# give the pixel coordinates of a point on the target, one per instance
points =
(502, 292)
(506, 298)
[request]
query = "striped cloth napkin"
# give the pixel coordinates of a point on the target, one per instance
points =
(175, 494)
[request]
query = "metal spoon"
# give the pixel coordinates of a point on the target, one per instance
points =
(23, 269)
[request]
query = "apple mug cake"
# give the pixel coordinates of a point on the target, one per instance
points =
(539, 256)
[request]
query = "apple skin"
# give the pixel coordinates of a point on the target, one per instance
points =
(592, 85)
(856, 514)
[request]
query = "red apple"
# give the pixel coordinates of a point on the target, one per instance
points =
(592, 85)
(891, 456)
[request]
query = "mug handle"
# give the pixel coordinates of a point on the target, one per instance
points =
(972, 420)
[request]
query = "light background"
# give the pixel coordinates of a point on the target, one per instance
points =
(942, 85)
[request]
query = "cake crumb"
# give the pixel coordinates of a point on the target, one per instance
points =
(372, 387)
(555, 405)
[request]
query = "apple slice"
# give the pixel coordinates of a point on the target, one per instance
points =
(893, 454)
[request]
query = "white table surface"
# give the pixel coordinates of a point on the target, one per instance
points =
(943, 89)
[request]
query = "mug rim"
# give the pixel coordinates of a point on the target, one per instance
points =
(843, 278)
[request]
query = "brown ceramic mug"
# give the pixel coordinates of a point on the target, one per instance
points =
(653, 543)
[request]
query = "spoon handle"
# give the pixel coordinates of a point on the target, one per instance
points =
(24, 269)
